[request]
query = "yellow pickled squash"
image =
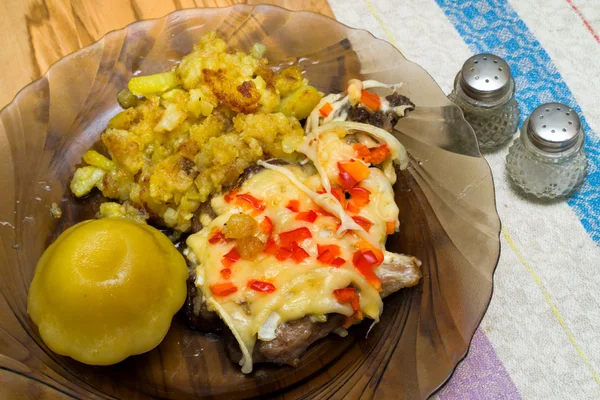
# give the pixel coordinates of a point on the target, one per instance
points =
(107, 289)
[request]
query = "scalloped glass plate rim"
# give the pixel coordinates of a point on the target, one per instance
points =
(152, 21)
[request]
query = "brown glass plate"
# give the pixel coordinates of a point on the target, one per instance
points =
(446, 199)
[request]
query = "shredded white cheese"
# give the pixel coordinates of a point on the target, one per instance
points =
(328, 202)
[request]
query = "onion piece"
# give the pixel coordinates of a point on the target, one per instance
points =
(266, 332)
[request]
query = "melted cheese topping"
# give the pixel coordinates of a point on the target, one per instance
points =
(306, 287)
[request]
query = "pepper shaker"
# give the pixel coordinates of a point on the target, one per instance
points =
(548, 159)
(484, 89)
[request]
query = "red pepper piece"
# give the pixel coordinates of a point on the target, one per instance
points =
(293, 205)
(390, 227)
(366, 246)
(363, 222)
(345, 295)
(296, 235)
(333, 248)
(338, 193)
(325, 110)
(230, 258)
(365, 262)
(374, 156)
(271, 246)
(359, 197)
(226, 273)
(298, 253)
(379, 154)
(223, 289)
(308, 216)
(216, 237)
(346, 180)
(362, 151)
(251, 200)
(230, 196)
(327, 253)
(261, 286)
(348, 296)
(370, 100)
(283, 254)
(351, 173)
(266, 225)
(338, 262)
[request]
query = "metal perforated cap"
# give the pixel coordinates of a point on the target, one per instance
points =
(485, 77)
(553, 127)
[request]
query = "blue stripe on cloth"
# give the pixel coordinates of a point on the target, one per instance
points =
(493, 26)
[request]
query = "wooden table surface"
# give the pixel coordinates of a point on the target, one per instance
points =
(36, 33)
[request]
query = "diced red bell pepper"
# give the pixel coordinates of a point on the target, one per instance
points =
(338, 193)
(338, 262)
(266, 225)
(366, 246)
(283, 254)
(216, 237)
(293, 205)
(375, 155)
(370, 100)
(229, 197)
(390, 227)
(359, 197)
(226, 273)
(346, 180)
(298, 253)
(379, 154)
(296, 235)
(333, 248)
(351, 173)
(325, 110)
(362, 151)
(308, 216)
(365, 262)
(251, 200)
(223, 289)
(348, 296)
(363, 222)
(271, 247)
(344, 295)
(261, 286)
(326, 253)
(230, 258)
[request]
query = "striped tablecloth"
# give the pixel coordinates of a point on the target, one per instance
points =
(540, 338)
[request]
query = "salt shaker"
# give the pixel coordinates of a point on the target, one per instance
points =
(548, 159)
(484, 89)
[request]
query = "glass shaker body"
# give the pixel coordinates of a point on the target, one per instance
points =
(493, 126)
(546, 172)
(484, 90)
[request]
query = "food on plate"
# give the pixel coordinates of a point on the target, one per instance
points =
(281, 199)
(299, 248)
(107, 289)
(195, 130)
